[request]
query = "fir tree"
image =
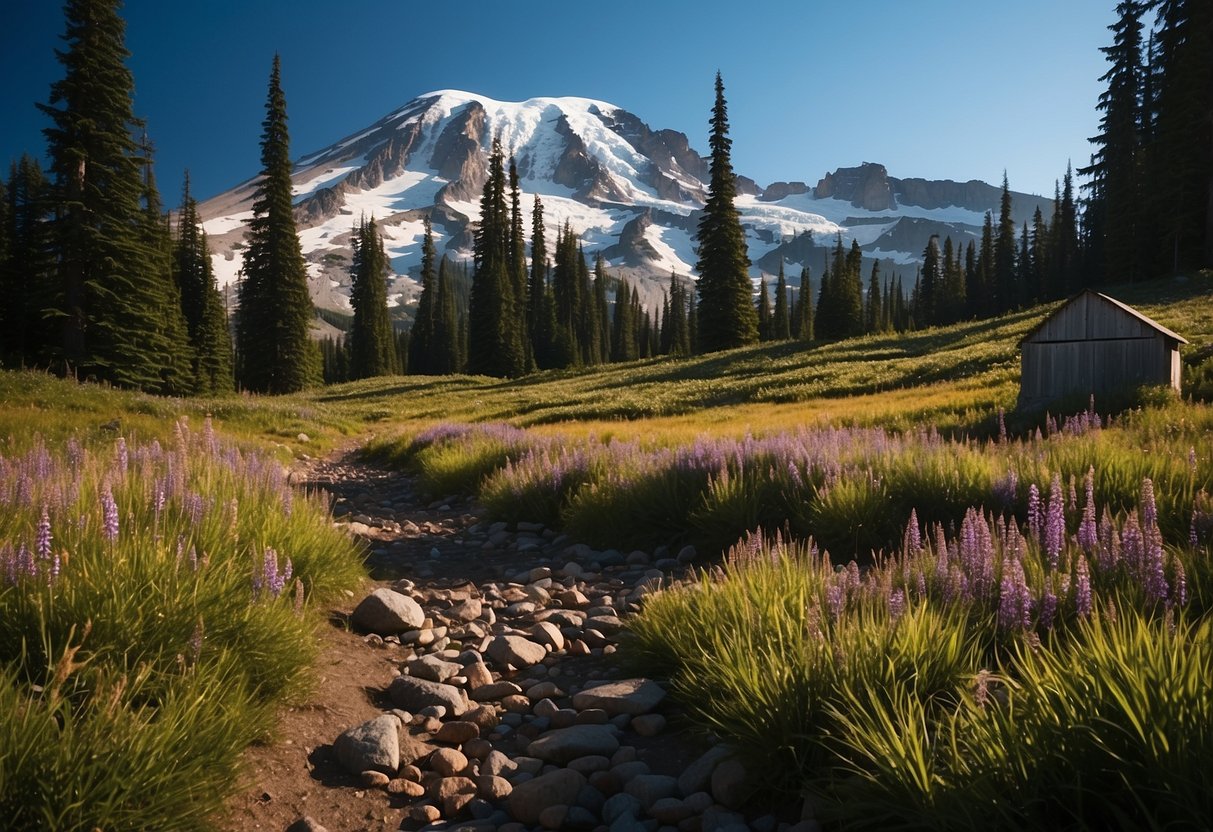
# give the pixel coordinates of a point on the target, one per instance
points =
(276, 354)
(495, 318)
(446, 350)
(984, 305)
(372, 343)
(825, 318)
(1006, 295)
(537, 286)
(781, 318)
(26, 269)
(518, 270)
(205, 318)
(764, 311)
(952, 292)
(109, 295)
(602, 320)
(1037, 285)
(624, 327)
(726, 315)
(804, 307)
(926, 309)
(421, 341)
(872, 311)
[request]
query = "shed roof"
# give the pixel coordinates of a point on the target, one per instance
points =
(1124, 307)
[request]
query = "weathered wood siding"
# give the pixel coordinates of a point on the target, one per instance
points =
(1093, 346)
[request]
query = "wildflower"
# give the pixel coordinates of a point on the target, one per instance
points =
(1088, 533)
(1048, 605)
(1035, 517)
(1181, 583)
(1055, 522)
(1015, 600)
(1154, 577)
(981, 688)
(109, 509)
(836, 597)
(122, 455)
(196, 639)
(1149, 511)
(911, 544)
(897, 605)
(1082, 589)
(43, 544)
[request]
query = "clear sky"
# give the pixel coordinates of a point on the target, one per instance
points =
(941, 89)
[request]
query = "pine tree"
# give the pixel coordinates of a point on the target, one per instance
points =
(537, 287)
(1065, 276)
(566, 290)
(518, 270)
(108, 301)
(926, 309)
(726, 315)
(1113, 204)
(825, 319)
(764, 311)
(1006, 294)
(586, 325)
(446, 351)
(872, 312)
(421, 339)
(1037, 285)
(276, 354)
(677, 322)
(494, 319)
(952, 294)
(623, 332)
(985, 305)
(205, 319)
(602, 320)
(804, 307)
(781, 318)
(372, 343)
(26, 269)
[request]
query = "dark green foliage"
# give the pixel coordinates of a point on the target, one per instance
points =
(518, 270)
(495, 322)
(726, 315)
(675, 324)
(421, 341)
(1005, 287)
(276, 354)
(952, 291)
(781, 317)
(110, 294)
(872, 312)
(537, 288)
(803, 322)
(1063, 244)
(448, 353)
(589, 337)
(372, 344)
(26, 269)
(205, 318)
(601, 318)
(625, 326)
(764, 311)
(926, 311)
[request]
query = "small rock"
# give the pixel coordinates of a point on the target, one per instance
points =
(670, 810)
(448, 762)
(618, 806)
(374, 779)
(491, 787)
(444, 787)
(425, 813)
(457, 732)
(516, 651)
(495, 763)
(546, 633)
(730, 784)
(629, 696)
(387, 613)
(413, 694)
(649, 788)
(698, 775)
(373, 745)
(465, 611)
(648, 725)
(565, 744)
(433, 669)
(408, 788)
(529, 799)
(477, 675)
(494, 690)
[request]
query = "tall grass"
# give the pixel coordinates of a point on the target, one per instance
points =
(156, 602)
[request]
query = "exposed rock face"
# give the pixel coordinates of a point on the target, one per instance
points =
(633, 248)
(866, 186)
(778, 190)
(458, 156)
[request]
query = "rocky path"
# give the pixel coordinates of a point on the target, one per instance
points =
(494, 698)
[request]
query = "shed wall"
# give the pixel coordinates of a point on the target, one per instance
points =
(1059, 368)
(1088, 317)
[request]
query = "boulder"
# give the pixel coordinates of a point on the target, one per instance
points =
(628, 696)
(529, 799)
(413, 694)
(565, 744)
(371, 746)
(387, 613)
(516, 651)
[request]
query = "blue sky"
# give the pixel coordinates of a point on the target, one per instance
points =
(941, 89)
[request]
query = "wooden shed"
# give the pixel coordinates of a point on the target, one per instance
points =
(1095, 344)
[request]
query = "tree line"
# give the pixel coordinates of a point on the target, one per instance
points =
(101, 282)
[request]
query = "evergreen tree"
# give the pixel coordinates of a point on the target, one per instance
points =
(1114, 187)
(825, 319)
(275, 314)
(677, 322)
(26, 270)
(624, 328)
(372, 343)
(518, 270)
(1064, 275)
(872, 312)
(109, 295)
(422, 335)
(804, 307)
(953, 291)
(926, 311)
(446, 352)
(1039, 254)
(586, 326)
(1006, 293)
(726, 315)
(205, 318)
(764, 311)
(566, 290)
(602, 311)
(537, 286)
(984, 305)
(494, 318)
(781, 318)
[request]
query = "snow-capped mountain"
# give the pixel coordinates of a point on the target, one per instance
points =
(629, 191)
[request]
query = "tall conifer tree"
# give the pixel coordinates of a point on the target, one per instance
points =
(26, 270)
(421, 340)
(781, 318)
(372, 343)
(727, 317)
(275, 351)
(108, 298)
(205, 319)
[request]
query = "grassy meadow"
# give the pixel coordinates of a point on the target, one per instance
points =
(941, 609)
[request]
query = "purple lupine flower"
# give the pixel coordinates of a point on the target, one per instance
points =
(1109, 542)
(109, 509)
(1192, 461)
(1181, 583)
(25, 562)
(897, 605)
(43, 544)
(1082, 587)
(921, 584)
(1015, 600)
(56, 566)
(271, 580)
(1055, 522)
(121, 455)
(1192, 540)
(1073, 495)
(1048, 605)
(1155, 575)
(1035, 516)
(8, 561)
(1007, 488)
(1149, 511)
(911, 543)
(836, 596)
(1133, 546)
(1088, 532)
